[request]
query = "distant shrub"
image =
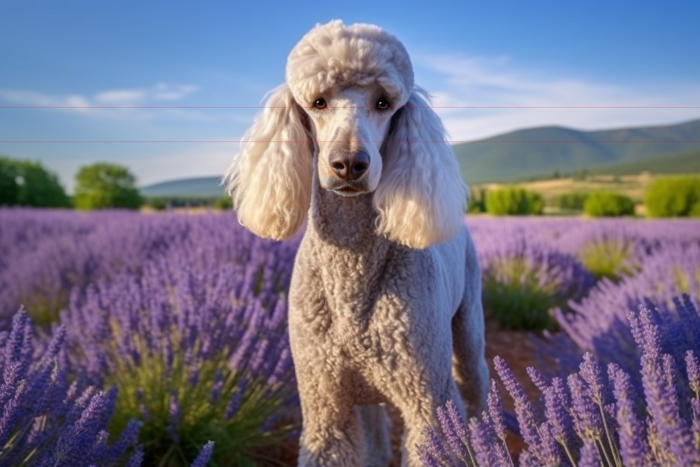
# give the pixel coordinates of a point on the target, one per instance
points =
(513, 201)
(570, 201)
(224, 203)
(157, 204)
(673, 197)
(608, 204)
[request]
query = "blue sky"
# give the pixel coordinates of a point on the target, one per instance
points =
(495, 53)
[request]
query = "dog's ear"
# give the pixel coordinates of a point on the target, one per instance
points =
(269, 179)
(421, 197)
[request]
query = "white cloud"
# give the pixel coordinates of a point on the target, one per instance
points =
(121, 97)
(140, 97)
(461, 81)
(167, 92)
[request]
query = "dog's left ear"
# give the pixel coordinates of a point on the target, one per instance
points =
(421, 198)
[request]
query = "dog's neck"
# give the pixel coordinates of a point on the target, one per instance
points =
(346, 249)
(346, 223)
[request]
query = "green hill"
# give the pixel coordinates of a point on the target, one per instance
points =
(679, 163)
(205, 187)
(536, 151)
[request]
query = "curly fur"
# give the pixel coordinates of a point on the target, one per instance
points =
(385, 299)
(422, 197)
(273, 170)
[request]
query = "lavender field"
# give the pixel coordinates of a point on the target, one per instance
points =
(160, 340)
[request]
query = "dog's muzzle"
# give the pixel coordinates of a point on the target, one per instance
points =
(350, 171)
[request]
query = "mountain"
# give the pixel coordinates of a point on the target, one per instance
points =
(205, 187)
(539, 151)
(536, 151)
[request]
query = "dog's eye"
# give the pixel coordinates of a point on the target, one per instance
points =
(382, 104)
(320, 103)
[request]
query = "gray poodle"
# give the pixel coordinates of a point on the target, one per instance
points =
(385, 299)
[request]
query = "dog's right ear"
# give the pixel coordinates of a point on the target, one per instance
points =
(269, 179)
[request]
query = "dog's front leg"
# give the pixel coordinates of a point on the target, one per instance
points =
(330, 434)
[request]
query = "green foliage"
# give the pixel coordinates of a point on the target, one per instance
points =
(9, 190)
(224, 203)
(157, 204)
(608, 204)
(513, 201)
(28, 183)
(610, 257)
(477, 201)
(514, 296)
(673, 197)
(570, 201)
(103, 186)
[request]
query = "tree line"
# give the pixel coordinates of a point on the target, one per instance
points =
(97, 186)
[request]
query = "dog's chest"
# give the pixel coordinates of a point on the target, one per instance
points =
(357, 301)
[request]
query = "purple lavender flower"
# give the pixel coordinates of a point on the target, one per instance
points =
(613, 425)
(693, 371)
(434, 451)
(204, 455)
(523, 408)
(452, 426)
(590, 456)
(46, 419)
(587, 420)
(493, 401)
(557, 413)
(632, 433)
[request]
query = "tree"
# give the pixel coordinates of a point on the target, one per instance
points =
(28, 183)
(103, 185)
(8, 184)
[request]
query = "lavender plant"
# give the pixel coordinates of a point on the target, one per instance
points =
(523, 280)
(608, 248)
(594, 417)
(199, 353)
(47, 422)
(598, 324)
(64, 250)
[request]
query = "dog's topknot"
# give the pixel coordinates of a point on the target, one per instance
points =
(335, 55)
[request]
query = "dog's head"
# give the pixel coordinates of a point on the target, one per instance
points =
(350, 106)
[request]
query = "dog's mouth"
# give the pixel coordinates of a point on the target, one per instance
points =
(346, 188)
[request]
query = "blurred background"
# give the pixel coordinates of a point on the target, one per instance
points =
(554, 73)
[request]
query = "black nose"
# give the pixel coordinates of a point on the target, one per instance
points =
(350, 166)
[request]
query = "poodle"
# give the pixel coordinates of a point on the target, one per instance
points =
(385, 296)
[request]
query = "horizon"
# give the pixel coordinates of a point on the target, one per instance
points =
(524, 57)
(492, 136)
